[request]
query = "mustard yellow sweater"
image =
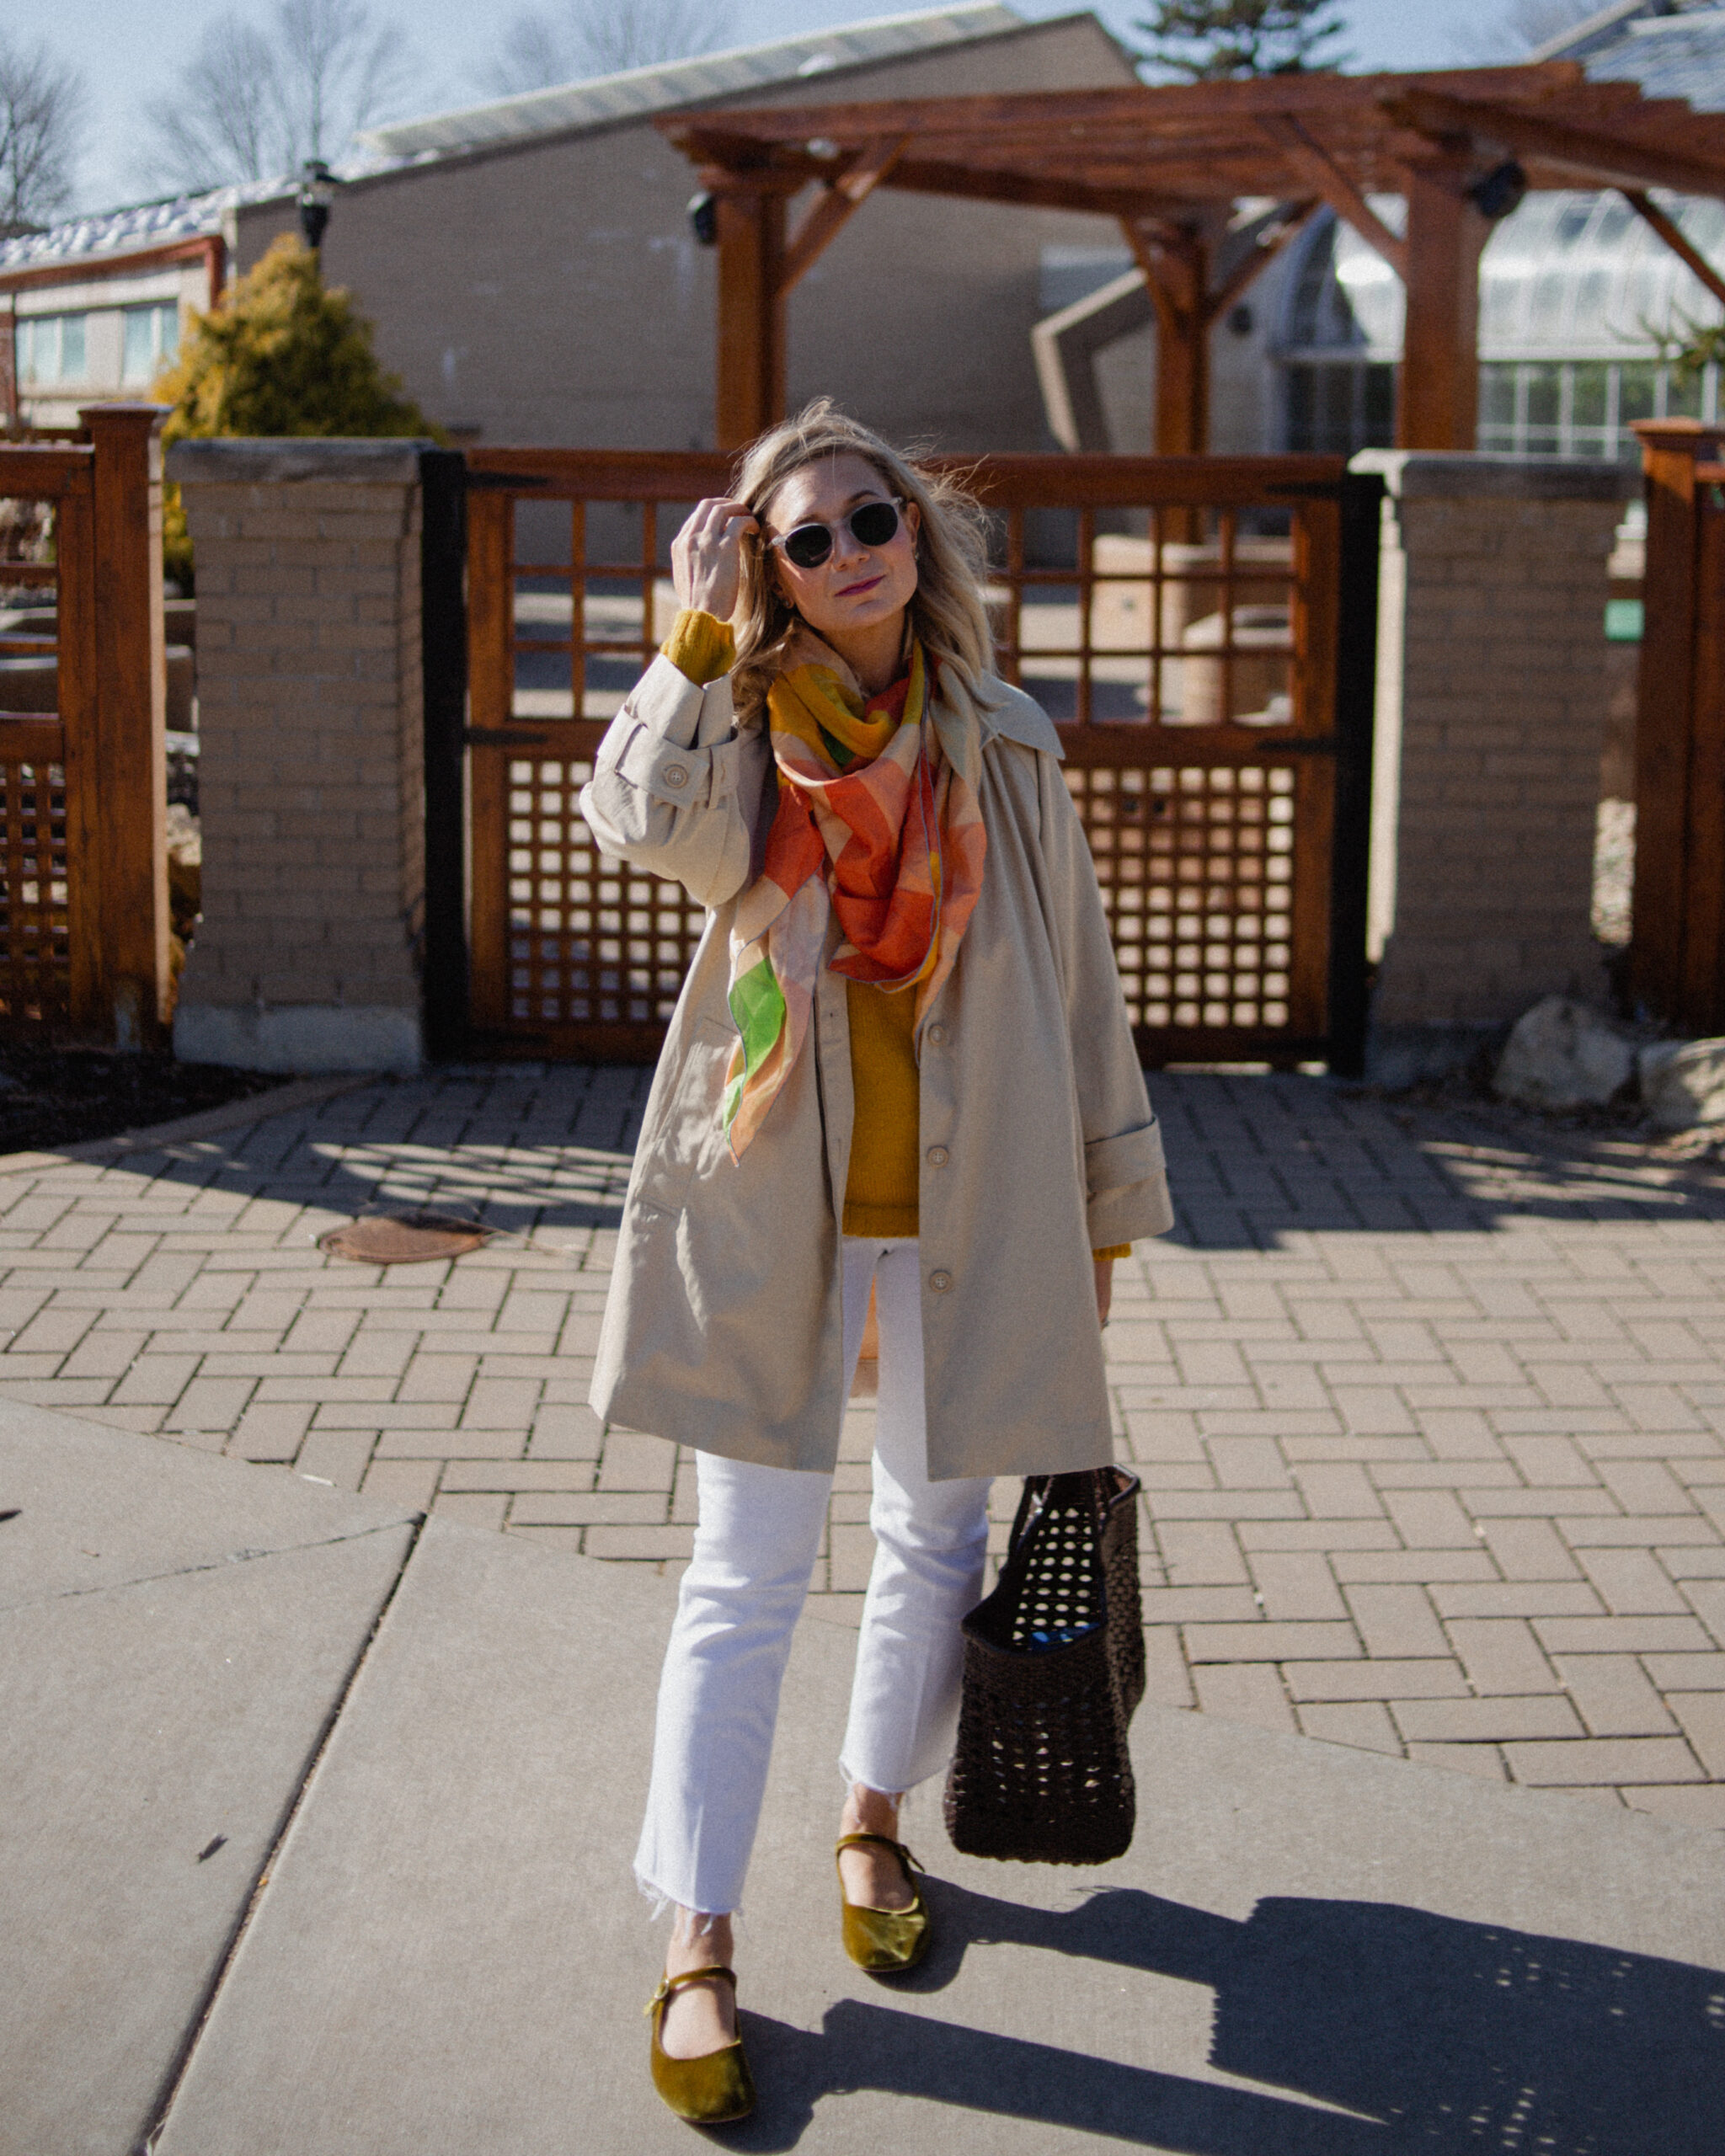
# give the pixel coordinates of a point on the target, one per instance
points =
(882, 1184)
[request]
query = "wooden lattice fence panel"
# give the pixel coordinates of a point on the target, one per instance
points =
(1181, 621)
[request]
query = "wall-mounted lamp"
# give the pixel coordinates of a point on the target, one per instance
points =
(1500, 191)
(703, 217)
(317, 185)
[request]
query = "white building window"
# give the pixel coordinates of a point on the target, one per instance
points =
(151, 340)
(50, 348)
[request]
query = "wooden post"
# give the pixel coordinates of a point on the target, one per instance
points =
(1439, 405)
(751, 372)
(131, 697)
(1175, 260)
(1664, 702)
(491, 673)
(77, 639)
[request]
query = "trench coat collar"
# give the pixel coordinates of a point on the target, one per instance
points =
(1000, 713)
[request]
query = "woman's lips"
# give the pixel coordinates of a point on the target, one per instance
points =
(855, 591)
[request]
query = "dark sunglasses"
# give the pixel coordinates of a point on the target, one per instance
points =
(874, 524)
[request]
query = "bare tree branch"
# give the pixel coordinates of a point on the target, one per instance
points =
(544, 47)
(337, 68)
(252, 102)
(218, 123)
(42, 111)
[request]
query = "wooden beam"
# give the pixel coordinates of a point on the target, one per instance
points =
(1264, 250)
(1608, 160)
(838, 203)
(749, 385)
(1438, 404)
(1674, 236)
(1312, 164)
(1138, 108)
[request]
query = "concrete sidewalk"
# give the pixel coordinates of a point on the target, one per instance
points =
(1428, 1406)
(316, 1834)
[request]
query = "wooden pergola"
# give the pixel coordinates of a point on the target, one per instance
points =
(1169, 164)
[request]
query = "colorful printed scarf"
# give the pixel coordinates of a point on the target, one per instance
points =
(876, 824)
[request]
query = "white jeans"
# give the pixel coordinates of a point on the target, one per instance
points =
(760, 1531)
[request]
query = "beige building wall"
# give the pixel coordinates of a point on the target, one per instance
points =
(552, 290)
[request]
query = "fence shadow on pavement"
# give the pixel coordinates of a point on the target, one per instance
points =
(1252, 1159)
(1432, 2033)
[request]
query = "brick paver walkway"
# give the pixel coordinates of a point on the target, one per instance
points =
(1429, 1407)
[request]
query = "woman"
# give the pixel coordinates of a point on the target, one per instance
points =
(901, 1059)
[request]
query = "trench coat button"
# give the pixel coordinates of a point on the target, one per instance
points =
(937, 1035)
(940, 1281)
(675, 775)
(937, 1157)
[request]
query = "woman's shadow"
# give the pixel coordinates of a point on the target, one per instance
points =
(1438, 2035)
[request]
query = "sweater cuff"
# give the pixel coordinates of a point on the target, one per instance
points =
(1113, 1250)
(699, 646)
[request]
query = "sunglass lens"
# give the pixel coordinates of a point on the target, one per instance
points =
(807, 545)
(874, 524)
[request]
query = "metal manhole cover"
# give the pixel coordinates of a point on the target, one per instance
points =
(403, 1238)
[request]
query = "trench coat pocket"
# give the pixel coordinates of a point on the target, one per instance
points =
(689, 1136)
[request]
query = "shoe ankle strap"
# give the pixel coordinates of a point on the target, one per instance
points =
(877, 1841)
(670, 1985)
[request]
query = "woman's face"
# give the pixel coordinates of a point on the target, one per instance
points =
(856, 587)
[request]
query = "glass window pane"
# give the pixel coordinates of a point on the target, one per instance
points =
(23, 350)
(1300, 397)
(71, 348)
(1496, 397)
(1550, 292)
(1635, 395)
(138, 359)
(1544, 390)
(1593, 382)
(1683, 394)
(167, 333)
(1379, 407)
(1337, 426)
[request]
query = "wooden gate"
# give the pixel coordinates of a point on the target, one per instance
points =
(1677, 945)
(83, 875)
(1203, 631)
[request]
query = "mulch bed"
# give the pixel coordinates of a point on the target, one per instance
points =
(53, 1096)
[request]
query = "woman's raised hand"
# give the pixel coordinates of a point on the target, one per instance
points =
(707, 556)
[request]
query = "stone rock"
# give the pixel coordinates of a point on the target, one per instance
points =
(1683, 1083)
(1563, 1055)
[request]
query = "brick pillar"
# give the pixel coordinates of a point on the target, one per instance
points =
(1493, 691)
(310, 781)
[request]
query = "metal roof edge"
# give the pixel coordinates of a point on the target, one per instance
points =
(1578, 40)
(413, 140)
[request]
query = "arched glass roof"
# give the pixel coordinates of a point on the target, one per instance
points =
(1569, 276)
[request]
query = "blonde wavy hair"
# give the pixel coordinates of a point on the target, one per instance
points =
(948, 610)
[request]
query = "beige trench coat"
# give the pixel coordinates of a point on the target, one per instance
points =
(724, 1329)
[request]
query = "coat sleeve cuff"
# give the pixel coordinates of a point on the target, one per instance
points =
(1128, 1157)
(683, 778)
(1127, 1187)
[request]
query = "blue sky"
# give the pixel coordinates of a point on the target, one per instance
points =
(127, 49)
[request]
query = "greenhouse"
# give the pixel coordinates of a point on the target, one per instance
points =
(1582, 312)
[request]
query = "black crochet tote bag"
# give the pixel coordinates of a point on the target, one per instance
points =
(1053, 1670)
